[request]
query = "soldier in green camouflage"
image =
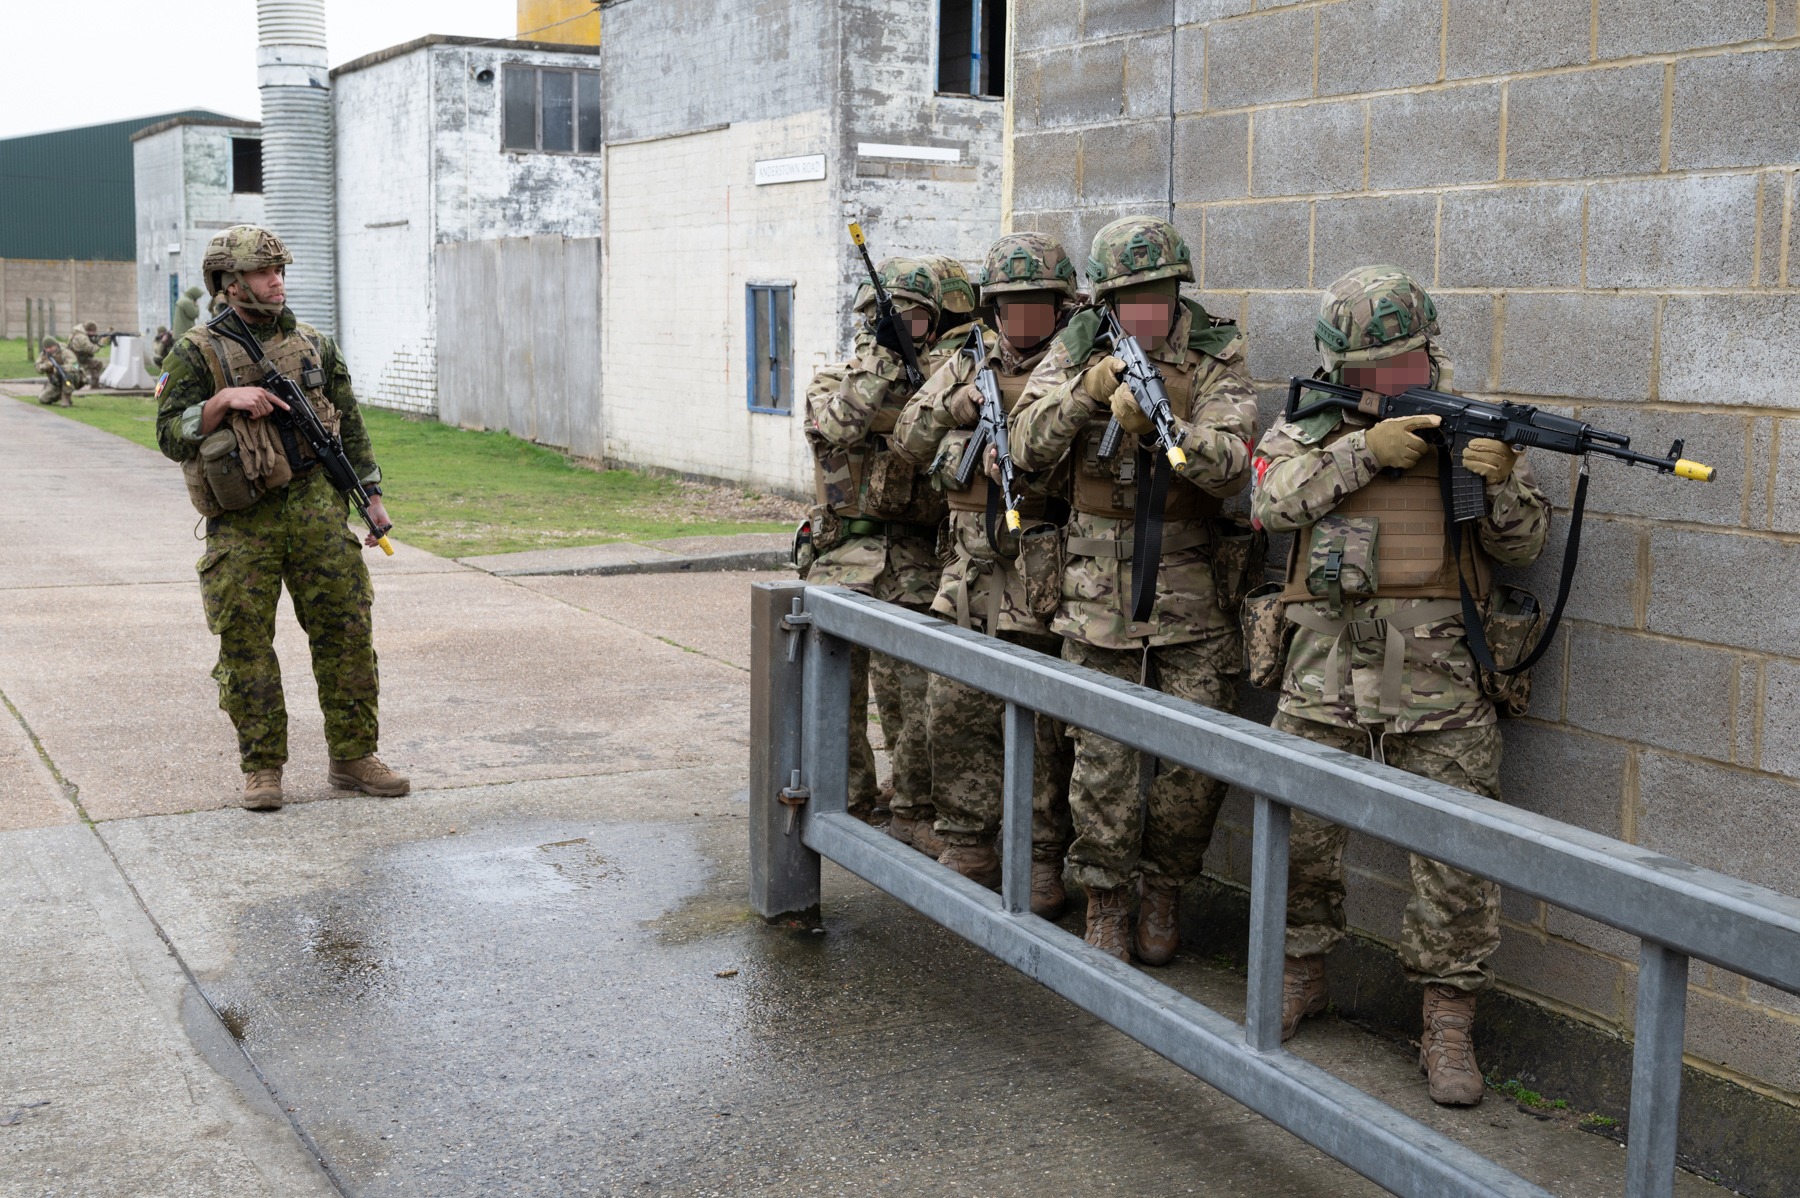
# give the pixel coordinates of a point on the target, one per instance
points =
(1380, 666)
(280, 522)
(187, 311)
(876, 520)
(1028, 292)
(87, 353)
(1189, 646)
(61, 373)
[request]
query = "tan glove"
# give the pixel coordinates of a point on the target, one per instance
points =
(1125, 410)
(1102, 378)
(1394, 443)
(964, 406)
(1490, 459)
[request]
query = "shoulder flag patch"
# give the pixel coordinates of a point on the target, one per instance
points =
(161, 383)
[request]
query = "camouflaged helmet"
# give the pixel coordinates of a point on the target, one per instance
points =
(1374, 312)
(1137, 249)
(956, 295)
(1026, 262)
(49, 343)
(909, 280)
(240, 249)
(90, 327)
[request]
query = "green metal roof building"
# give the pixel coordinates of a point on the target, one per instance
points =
(69, 193)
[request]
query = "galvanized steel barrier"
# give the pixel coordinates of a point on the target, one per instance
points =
(802, 637)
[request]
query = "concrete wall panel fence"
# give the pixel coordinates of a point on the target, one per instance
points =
(519, 338)
(63, 291)
(1602, 198)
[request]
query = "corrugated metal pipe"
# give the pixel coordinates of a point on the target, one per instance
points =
(298, 200)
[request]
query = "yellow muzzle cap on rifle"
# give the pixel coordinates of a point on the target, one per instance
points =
(1012, 520)
(385, 547)
(856, 232)
(1693, 470)
(1177, 458)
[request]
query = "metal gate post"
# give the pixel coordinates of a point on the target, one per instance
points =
(1656, 1072)
(784, 873)
(825, 724)
(1015, 833)
(1268, 923)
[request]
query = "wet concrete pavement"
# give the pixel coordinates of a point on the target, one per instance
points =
(536, 975)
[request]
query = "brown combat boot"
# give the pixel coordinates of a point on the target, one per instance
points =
(262, 790)
(1302, 992)
(1158, 923)
(369, 775)
(1447, 1050)
(1109, 921)
(919, 833)
(1047, 895)
(977, 862)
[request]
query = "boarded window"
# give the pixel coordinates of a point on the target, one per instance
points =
(768, 325)
(549, 110)
(972, 47)
(246, 165)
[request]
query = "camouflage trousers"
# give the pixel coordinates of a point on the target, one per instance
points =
(1119, 828)
(293, 536)
(91, 371)
(54, 391)
(900, 690)
(1452, 922)
(968, 755)
(864, 787)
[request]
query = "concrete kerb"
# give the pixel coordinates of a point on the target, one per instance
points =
(748, 551)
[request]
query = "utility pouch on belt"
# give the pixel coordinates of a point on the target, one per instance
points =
(1041, 568)
(223, 469)
(1239, 552)
(1267, 634)
(193, 472)
(1341, 559)
(1511, 621)
(805, 551)
(828, 532)
(890, 489)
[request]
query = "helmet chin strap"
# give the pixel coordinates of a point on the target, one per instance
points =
(252, 305)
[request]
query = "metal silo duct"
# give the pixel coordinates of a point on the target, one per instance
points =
(298, 204)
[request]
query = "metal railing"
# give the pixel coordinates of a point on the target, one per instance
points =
(802, 638)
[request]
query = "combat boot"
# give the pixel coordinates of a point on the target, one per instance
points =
(977, 862)
(1447, 1050)
(919, 833)
(1158, 922)
(262, 790)
(1302, 992)
(1109, 921)
(369, 775)
(1047, 895)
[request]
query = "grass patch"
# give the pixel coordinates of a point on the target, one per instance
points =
(18, 358)
(460, 493)
(1516, 1090)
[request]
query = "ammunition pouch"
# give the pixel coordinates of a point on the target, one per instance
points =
(1040, 566)
(1267, 634)
(216, 479)
(1240, 553)
(1510, 618)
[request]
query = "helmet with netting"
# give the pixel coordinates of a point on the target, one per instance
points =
(1026, 262)
(1137, 249)
(1374, 312)
(239, 250)
(956, 295)
(906, 280)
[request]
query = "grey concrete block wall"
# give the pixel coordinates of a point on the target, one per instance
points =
(1602, 199)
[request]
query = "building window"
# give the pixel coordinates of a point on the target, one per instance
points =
(557, 112)
(246, 165)
(769, 329)
(972, 47)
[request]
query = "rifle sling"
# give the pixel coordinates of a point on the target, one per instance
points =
(1473, 628)
(1147, 530)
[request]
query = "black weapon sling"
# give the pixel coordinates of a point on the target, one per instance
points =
(1472, 623)
(1153, 471)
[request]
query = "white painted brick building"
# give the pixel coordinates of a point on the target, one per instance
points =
(194, 176)
(421, 162)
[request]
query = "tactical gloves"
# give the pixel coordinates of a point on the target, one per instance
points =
(1394, 443)
(1102, 378)
(1125, 410)
(1490, 459)
(964, 406)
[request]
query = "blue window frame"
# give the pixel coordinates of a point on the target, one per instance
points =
(769, 334)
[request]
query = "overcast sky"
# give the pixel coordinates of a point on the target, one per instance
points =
(106, 60)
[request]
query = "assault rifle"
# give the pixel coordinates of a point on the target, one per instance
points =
(889, 330)
(1146, 383)
(110, 337)
(57, 366)
(991, 430)
(299, 418)
(1461, 420)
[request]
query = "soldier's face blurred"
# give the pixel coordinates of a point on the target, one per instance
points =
(1148, 312)
(1391, 376)
(266, 286)
(916, 319)
(1026, 318)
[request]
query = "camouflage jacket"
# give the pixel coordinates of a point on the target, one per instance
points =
(1302, 472)
(81, 345)
(930, 438)
(1217, 431)
(848, 426)
(62, 358)
(187, 384)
